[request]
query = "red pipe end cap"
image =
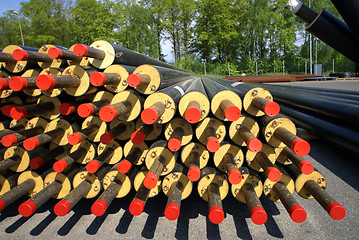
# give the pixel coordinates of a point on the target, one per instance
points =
(136, 207)
(149, 115)
(174, 144)
(234, 176)
(36, 162)
(212, 144)
(62, 208)
(45, 82)
(259, 215)
(81, 50)
(18, 112)
(55, 53)
(98, 79)
(85, 110)
(8, 140)
(273, 174)
(66, 108)
(3, 84)
(27, 208)
(93, 166)
(2, 204)
(134, 80)
(138, 137)
(336, 211)
(300, 147)
(254, 145)
(306, 167)
(106, 138)
(6, 110)
(193, 115)
(75, 138)
(194, 174)
(18, 83)
(31, 143)
(150, 180)
(124, 166)
(297, 213)
(60, 166)
(271, 108)
(108, 113)
(20, 55)
(172, 211)
(216, 214)
(232, 113)
(99, 207)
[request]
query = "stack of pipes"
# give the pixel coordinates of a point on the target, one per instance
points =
(95, 121)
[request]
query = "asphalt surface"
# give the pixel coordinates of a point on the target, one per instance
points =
(341, 171)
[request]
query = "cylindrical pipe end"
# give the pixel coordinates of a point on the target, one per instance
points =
(18, 83)
(31, 143)
(45, 82)
(85, 110)
(99, 207)
(81, 50)
(93, 166)
(150, 180)
(336, 211)
(138, 137)
(194, 174)
(60, 166)
(20, 55)
(66, 109)
(75, 138)
(62, 208)
(134, 80)
(8, 140)
(98, 79)
(216, 214)
(18, 112)
(136, 207)
(193, 114)
(212, 144)
(271, 108)
(306, 167)
(234, 176)
(232, 113)
(174, 144)
(273, 174)
(55, 53)
(297, 213)
(106, 138)
(254, 145)
(172, 211)
(27, 208)
(108, 113)
(149, 115)
(124, 166)
(259, 215)
(300, 147)
(36, 162)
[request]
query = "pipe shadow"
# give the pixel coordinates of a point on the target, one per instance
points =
(342, 164)
(240, 212)
(188, 211)
(127, 217)
(271, 225)
(79, 211)
(155, 209)
(12, 209)
(49, 206)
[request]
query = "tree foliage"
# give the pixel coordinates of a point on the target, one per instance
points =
(247, 36)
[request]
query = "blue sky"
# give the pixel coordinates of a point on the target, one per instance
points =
(10, 5)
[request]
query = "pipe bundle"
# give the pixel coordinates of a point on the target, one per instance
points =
(100, 121)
